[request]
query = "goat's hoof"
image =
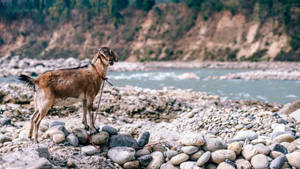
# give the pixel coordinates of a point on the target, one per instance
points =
(86, 127)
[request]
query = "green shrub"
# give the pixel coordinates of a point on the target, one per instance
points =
(78, 38)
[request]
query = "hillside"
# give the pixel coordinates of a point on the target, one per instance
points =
(171, 31)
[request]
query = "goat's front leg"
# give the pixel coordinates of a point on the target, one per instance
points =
(91, 117)
(84, 107)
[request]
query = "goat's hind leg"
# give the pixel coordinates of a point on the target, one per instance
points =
(84, 107)
(42, 113)
(32, 121)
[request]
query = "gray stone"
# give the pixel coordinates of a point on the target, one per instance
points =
(188, 165)
(189, 149)
(110, 130)
(180, 158)
(171, 153)
(296, 115)
(168, 166)
(41, 163)
(132, 164)
(81, 134)
(100, 138)
(203, 159)
(294, 159)
(192, 139)
(284, 138)
(246, 134)
(242, 164)
(225, 165)
(121, 155)
(145, 160)
(122, 141)
(260, 161)
(57, 123)
(262, 149)
(89, 150)
(143, 139)
(196, 155)
(278, 162)
(4, 138)
(213, 144)
(59, 138)
(249, 151)
(221, 155)
(73, 140)
(157, 160)
(142, 152)
(5, 121)
(279, 147)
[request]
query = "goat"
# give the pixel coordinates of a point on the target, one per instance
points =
(63, 86)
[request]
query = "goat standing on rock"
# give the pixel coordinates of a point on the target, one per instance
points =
(68, 86)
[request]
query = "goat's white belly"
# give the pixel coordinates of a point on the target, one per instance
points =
(67, 101)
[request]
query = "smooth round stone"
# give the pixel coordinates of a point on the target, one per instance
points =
(262, 149)
(180, 158)
(4, 138)
(132, 164)
(73, 140)
(145, 160)
(284, 138)
(236, 147)
(143, 139)
(89, 150)
(213, 144)
(189, 165)
(221, 155)
(81, 134)
(122, 141)
(259, 140)
(192, 139)
(249, 151)
(242, 164)
(110, 130)
(121, 155)
(246, 134)
(196, 155)
(275, 154)
(171, 153)
(44, 126)
(211, 166)
(239, 126)
(203, 159)
(56, 123)
(157, 160)
(142, 152)
(289, 146)
(159, 147)
(260, 161)
(294, 159)
(54, 130)
(71, 163)
(59, 138)
(168, 166)
(100, 138)
(225, 165)
(278, 162)
(189, 149)
(279, 147)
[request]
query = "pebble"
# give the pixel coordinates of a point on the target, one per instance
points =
(59, 138)
(213, 144)
(225, 165)
(168, 166)
(188, 165)
(143, 139)
(4, 138)
(122, 141)
(260, 161)
(100, 138)
(249, 151)
(89, 150)
(246, 134)
(159, 147)
(142, 152)
(236, 147)
(180, 158)
(145, 160)
(294, 159)
(192, 139)
(203, 159)
(132, 164)
(71, 163)
(196, 155)
(121, 155)
(275, 154)
(73, 140)
(279, 147)
(221, 155)
(278, 162)
(242, 164)
(170, 153)
(262, 149)
(81, 134)
(157, 160)
(110, 130)
(289, 146)
(211, 166)
(40, 163)
(284, 138)
(189, 149)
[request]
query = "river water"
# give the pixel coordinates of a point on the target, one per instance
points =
(278, 91)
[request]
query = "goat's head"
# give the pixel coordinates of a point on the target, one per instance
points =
(106, 55)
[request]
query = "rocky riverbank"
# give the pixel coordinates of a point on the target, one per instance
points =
(143, 128)
(266, 70)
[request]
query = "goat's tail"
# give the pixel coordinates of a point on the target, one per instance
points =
(27, 80)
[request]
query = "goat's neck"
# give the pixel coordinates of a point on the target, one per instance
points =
(100, 69)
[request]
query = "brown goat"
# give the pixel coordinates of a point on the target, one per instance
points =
(67, 86)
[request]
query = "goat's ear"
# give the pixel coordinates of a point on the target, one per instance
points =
(114, 55)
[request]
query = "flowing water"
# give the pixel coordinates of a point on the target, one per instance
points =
(278, 91)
